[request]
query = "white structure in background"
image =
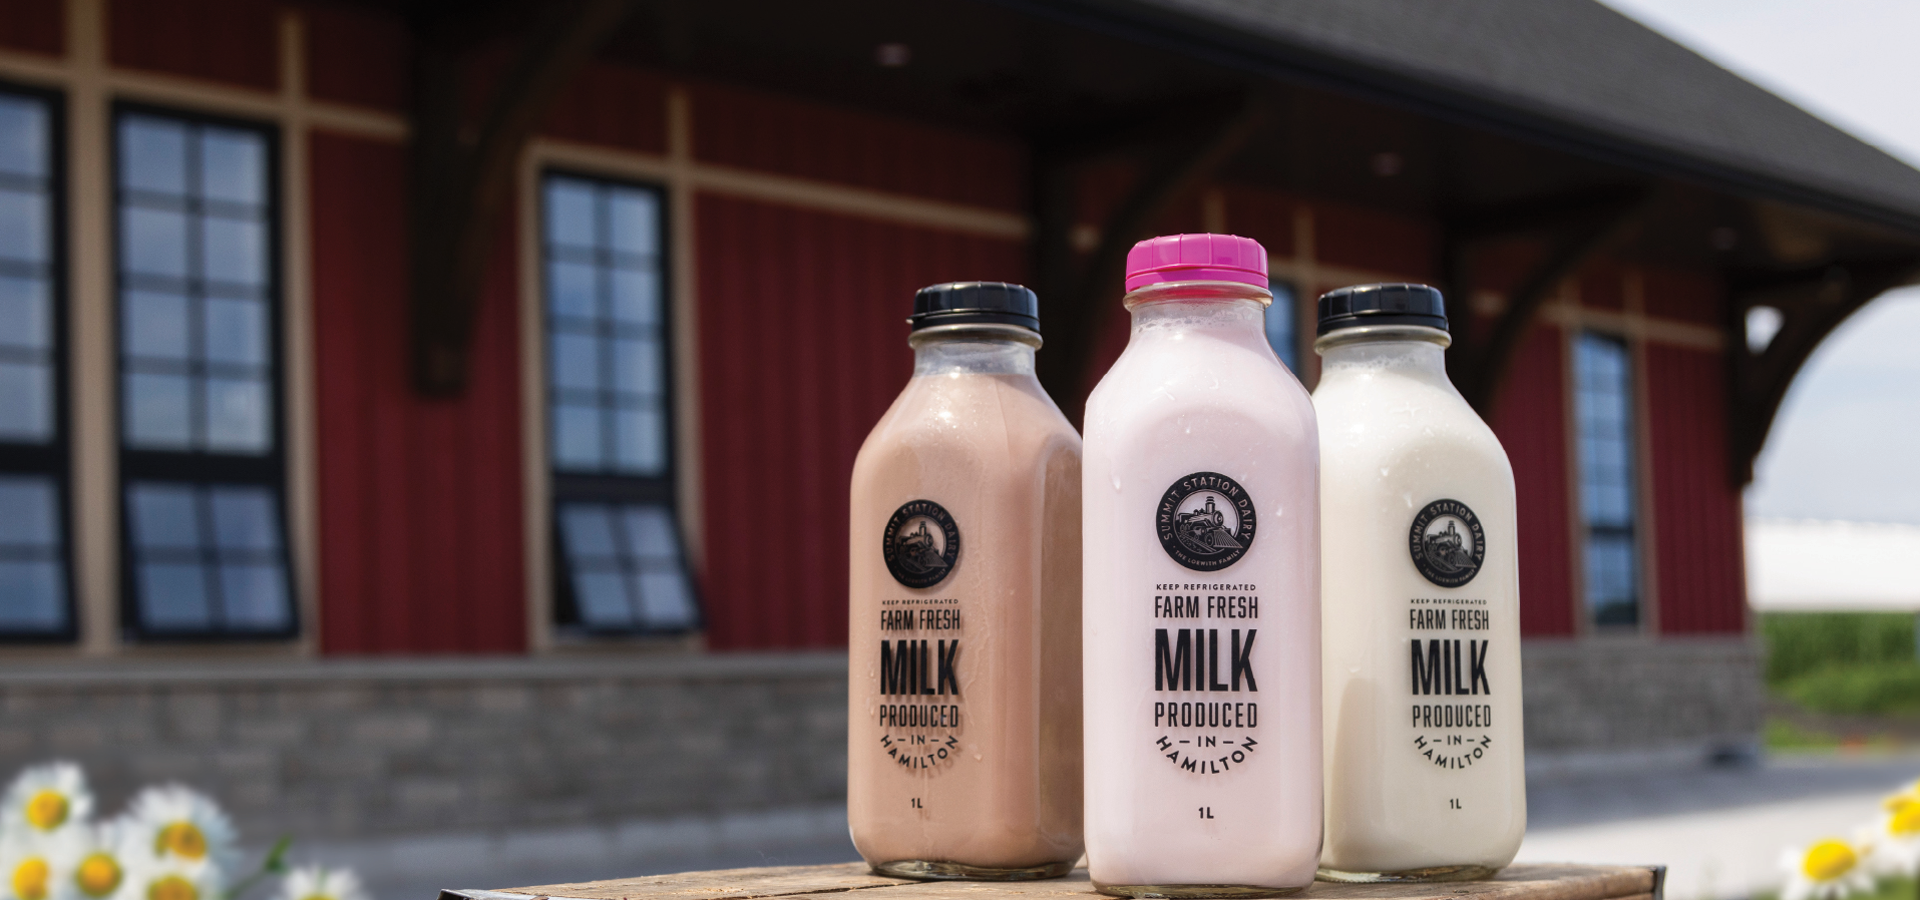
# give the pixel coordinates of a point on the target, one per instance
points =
(1810, 565)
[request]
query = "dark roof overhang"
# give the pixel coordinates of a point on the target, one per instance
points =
(1557, 121)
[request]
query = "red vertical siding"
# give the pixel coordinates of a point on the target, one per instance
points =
(420, 502)
(1602, 284)
(1696, 508)
(1531, 424)
(1266, 216)
(221, 40)
(793, 137)
(357, 55)
(36, 25)
(1687, 296)
(614, 106)
(1369, 239)
(802, 349)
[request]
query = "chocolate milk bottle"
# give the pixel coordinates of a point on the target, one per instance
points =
(1425, 776)
(963, 736)
(1202, 634)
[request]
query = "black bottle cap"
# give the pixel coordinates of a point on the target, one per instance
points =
(1382, 304)
(975, 303)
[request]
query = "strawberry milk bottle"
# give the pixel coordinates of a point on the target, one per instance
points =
(963, 738)
(1202, 590)
(1425, 776)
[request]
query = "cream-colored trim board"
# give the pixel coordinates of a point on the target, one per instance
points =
(206, 96)
(1305, 273)
(1645, 522)
(1213, 211)
(690, 492)
(1635, 325)
(1576, 512)
(296, 304)
(90, 88)
(96, 532)
(535, 487)
(675, 173)
(786, 190)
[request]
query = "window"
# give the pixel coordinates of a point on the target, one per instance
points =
(1280, 324)
(1603, 408)
(621, 568)
(201, 462)
(34, 597)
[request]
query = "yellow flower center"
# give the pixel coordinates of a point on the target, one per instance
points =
(172, 887)
(1906, 821)
(1897, 802)
(182, 839)
(47, 810)
(316, 897)
(1828, 860)
(30, 879)
(98, 874)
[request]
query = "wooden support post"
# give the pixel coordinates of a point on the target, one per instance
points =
(1812, 303)
(1576, 228)
(1083, 304)
(462, 179)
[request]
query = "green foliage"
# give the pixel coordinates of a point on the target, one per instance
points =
(1784, 735)
(1864, 689)
(1800, 644)
(1898, 887)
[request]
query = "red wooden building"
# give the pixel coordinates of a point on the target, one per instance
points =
(405, 328)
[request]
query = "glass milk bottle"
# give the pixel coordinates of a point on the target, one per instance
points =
(1202, 611)
(963, 736)
(1425, 776)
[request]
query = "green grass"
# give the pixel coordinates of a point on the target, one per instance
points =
(1800, 644)
(1781, 734)
(1888, 688)
(1901, 888)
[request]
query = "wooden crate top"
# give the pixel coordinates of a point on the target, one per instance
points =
(1523, 882)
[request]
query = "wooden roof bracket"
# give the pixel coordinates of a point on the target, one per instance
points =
(461, 179)
(1080, 298)
(1577, 228)
(1812, 303)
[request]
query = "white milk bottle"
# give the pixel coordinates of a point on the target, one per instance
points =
(1201, 608)
(1421, 611)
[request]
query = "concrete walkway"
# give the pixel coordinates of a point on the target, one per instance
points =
(1720, 831)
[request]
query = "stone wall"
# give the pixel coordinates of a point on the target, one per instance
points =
(1685, 696)
(336, 749)
(349, 749)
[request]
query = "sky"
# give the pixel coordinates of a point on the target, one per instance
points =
(1846, 444)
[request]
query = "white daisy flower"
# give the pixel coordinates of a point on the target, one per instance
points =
(45, 799)
(170, 879)
(175, 824)
(1831, 869)
(321, 883)
(33, 866)
(1893, 841)
(93, 864)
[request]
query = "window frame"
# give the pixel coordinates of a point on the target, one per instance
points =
(1632, 532)
(54, 458)
(201, 468)
(602, 487)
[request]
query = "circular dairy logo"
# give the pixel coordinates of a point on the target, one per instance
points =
(1205, 521)
(1447, 543)
(921, 544)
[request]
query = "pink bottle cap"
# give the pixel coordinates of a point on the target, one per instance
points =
(1196, 257)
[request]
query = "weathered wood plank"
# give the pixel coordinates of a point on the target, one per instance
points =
(1526, 882)
(727, 884)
